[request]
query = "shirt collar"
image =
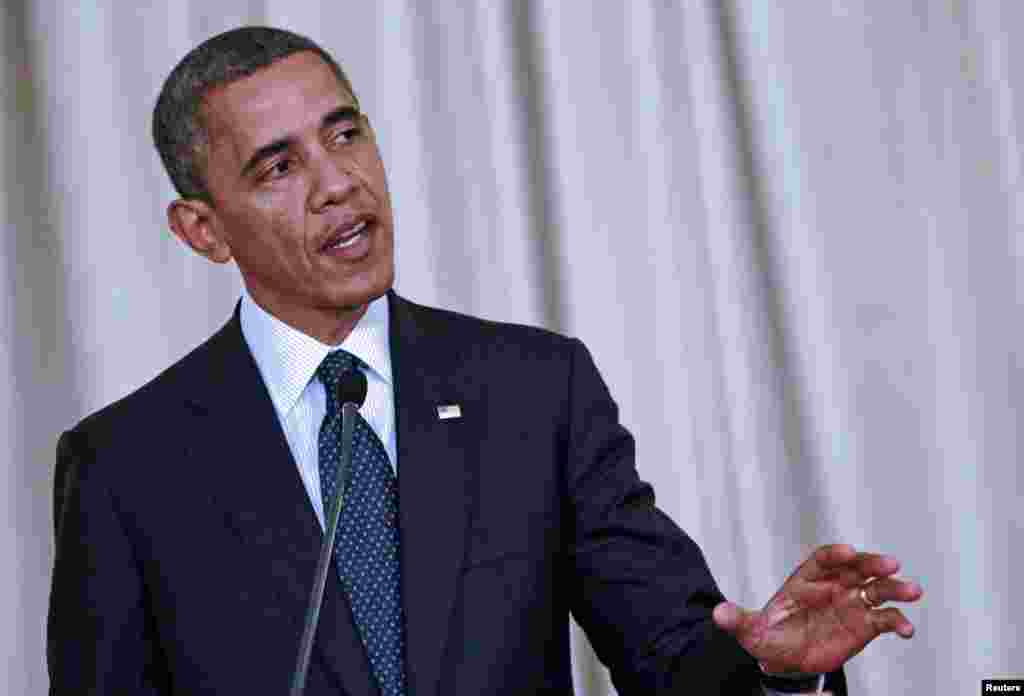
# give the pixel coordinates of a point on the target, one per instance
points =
(288, 358)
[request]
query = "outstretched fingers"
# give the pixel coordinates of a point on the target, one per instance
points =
(890, 620)
(891, 589)
(843, 562)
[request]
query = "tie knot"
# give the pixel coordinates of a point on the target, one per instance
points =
(336, 364)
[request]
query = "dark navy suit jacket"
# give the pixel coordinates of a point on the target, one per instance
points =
(186, 544)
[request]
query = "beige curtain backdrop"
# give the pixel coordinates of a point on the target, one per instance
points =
(791, 233)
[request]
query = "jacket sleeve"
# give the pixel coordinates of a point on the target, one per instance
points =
(97, 637)
(644, 593)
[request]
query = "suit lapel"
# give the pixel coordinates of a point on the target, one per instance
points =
(436, 486)
(255, 481)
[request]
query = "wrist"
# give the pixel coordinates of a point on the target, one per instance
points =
(791, 682)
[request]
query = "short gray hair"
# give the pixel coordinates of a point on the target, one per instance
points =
(179, 132)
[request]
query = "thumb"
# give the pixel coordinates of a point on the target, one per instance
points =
(728, 616)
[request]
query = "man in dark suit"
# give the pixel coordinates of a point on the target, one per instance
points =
(189, 514)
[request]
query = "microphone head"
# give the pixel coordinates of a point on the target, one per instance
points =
(352, 388)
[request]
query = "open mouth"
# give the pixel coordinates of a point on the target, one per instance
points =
(348, 238)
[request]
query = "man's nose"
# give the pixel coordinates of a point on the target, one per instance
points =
(334, 182)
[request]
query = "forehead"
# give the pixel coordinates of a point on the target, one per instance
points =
(287, 97)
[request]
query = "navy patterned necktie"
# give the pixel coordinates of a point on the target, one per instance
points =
(367, 543)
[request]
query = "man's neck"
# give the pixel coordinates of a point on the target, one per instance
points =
(330, 326)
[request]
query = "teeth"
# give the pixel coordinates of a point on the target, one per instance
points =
(352, 237)
(358, 228)
(347, 243)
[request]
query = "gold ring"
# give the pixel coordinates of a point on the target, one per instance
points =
(867, 602)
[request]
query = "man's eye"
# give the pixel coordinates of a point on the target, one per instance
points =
(344, 135)
(278, 169)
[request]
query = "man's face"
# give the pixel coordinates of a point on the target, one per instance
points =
(299, 192)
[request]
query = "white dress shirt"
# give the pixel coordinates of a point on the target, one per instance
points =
(288, 358)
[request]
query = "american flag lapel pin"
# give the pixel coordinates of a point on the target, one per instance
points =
(449, 411)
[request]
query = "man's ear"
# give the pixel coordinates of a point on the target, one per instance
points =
(195, 222)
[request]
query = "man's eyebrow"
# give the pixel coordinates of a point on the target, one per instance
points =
(342, 113)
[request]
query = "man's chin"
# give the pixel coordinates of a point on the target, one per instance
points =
(351, 299)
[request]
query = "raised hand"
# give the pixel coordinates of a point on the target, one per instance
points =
(825, 612)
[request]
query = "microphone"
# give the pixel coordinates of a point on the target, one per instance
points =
(351, 395)
(352, 388)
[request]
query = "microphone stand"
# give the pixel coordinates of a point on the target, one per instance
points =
(348, 419)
